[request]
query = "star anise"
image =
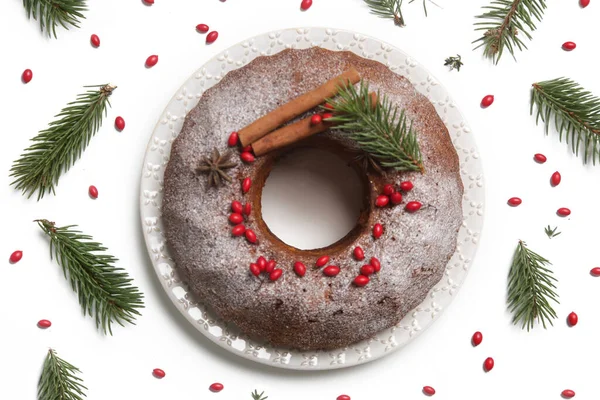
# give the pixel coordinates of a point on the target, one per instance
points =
(365, 161)
(215, 166)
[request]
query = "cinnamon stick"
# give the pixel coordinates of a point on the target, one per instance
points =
(295, 107)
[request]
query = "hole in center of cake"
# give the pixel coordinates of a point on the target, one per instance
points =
(311, 198)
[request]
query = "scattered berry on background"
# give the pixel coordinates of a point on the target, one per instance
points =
(16, 256)
(584, 3)
(388, 189)
(216, 387)
(568, 46)
(299, 268)
(595, 271)
(382, 200)
(233, 139)
(555, 179)
(151, 61)
(331, 270)
(572, 319)
(377, 230)
(262, 263)
(428, 390)
(367, 270)
(119, 123)
(487, 101)
(568, 394)
(514, 201)
(359, 253)
(343, 397)
(540, 158)
(413, 206)
(211, 37)
(158, 373)
(488, 364)
(477, 338)
(148, 2)
(202, 28)
(247, 157)
(247, 209)
(275, 274)
(93, 192)
(396, 198)
(246, 183)
(375, 263)
(321, 261)
(236, 218)
(44, 324)
(563, 212)
(26, 76)
(247, 149)
(329, 106)
(251, 236)
(95, 40)
(327, 115)
(305, 5)
(254, 269)
(316, 119)
(361, 280)
(270, 267)
(238, 230)
(237, 207)
(406, 186)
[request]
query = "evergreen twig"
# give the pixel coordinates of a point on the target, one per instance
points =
(56, 148)
(551, 232)
(59, 380)
(392, 9)
(52, 13)
(454, 62)
(531, 288)
(258, 396)
(105, 291)
(503, 22)
(378, 127)
(576, 113)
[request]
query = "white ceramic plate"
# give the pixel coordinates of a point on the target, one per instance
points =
(169, 126)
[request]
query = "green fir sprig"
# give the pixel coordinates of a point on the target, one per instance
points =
(551, 232)
(531, 288)
(505, 23)
(52, 13)
(105, 291)
(258, 396)
(392, 9)
(56, 148)
(454, 62)
(575, 111)
(378, 127)
(59, 380)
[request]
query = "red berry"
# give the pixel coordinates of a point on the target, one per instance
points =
(275, 274)
(488, 364)
(327, 115)
(563, 212)
(151, 61)
(247, 209)
(211, 37)
(406, 186)
(247, 157)
(251, 236)
(514, 201)
(367, 270)
(540, 158)
(149, 2)
(555, 179)
(236, 218)
(388, 189)
(270, 266)
(331, 270)
(26, 76)
(238, 230)
(299, 268)
(254, 270)
(428, 390)
(158, 373)
(329, 106)
(305, 5)
(343, 397)
(572, 319)
(361, 280)
(487, 101)
(216, 387)
(396, 198)
(377, 230)
(44, 323)
(477, 338)
(413, 206)
(584, 3)
(382, 200)
(233, 139)
(568, 46)
(202, 28)
(321, 261)
(262, 263)
(93, 191)
(246, 183)
(247, 149)
(95, 40)
(568, 393)
(595, 271)
(316, 119)
(236, 207)
(375, 263)
(359, 254)
(16, 256)
(119, 123)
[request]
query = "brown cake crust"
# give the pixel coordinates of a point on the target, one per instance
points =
(313, 312)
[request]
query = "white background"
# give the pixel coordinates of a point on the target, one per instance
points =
(535, 365)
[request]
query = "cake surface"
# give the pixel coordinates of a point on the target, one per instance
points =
(314, 311)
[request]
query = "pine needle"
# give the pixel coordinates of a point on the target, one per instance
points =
(105, 291)
(52, 13)
(257, 396)
(378, 127)
(504, 22)
(56, 148)
(59, 381)
(391, 9)
(531, 288)
(576, 114)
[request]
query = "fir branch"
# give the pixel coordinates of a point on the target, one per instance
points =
(105, 291)
(59, 381)
(378, 127)
(391, 9)
(257, 396)
(504, 21)
(531, 288)
(551, 232)
(576, 114)
(52, 13)
(56, 148)
(454, 62)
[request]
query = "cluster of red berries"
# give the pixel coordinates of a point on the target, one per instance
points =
(239, 213)
(366, 270)
(263, 266)
(390, 196)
